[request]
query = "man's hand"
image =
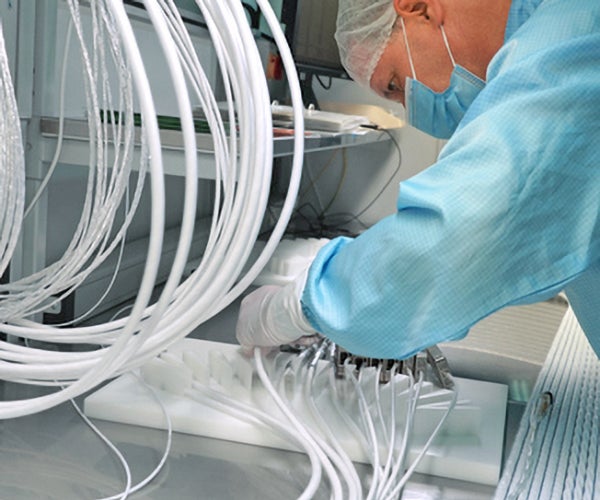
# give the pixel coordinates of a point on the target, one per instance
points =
(272, 315)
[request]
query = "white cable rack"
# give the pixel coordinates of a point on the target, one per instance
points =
(555, 453)
(469, 446)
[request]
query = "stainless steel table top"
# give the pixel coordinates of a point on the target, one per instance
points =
(55, 455)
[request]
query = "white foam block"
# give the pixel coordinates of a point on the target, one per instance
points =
(469, 447)
(290, 258)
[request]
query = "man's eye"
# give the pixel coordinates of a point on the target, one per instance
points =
(393, 87)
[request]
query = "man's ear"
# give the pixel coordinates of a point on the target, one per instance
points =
(428, 10)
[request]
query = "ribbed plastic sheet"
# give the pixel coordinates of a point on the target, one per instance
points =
(555, 455)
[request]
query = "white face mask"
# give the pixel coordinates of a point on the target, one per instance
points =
(438, 113)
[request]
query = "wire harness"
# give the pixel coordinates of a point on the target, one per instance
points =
(243, 159)
(374, 387)
(297, 399)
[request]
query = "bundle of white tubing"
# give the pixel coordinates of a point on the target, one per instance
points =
(107, 182)
(290, 381)
(12, 170)
(243, 166)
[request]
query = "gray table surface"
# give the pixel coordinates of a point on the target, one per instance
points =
(54, 455)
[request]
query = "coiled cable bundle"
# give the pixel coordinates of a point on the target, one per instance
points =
(12, 170)
(243, 175)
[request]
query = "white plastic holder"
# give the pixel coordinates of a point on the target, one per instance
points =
(469, 446)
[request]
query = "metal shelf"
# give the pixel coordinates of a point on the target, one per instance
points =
(75, 149)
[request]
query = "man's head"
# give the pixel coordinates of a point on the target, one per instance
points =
(373, 46)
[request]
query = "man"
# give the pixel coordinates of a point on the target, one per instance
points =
(509, 214)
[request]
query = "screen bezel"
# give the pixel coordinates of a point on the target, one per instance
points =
(289, 11)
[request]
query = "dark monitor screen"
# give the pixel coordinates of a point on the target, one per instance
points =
(310, 29)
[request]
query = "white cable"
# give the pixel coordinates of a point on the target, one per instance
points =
(350, 423)
(109, 287)
(130, 341)
(414, 390)
(112, 447)
(297, 425)
(370, 431)
(253, 415)
(392, 433)
(377, 392)
(36, 289)
(128, 487)
(400, 485)
(105, 367)
(12, 167)
(61, 123)
(338, 454)
(330, 446)
(167, 450)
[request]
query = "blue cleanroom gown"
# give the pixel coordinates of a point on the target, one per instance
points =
(508, 215)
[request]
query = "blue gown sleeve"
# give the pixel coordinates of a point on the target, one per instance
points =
(508, 214)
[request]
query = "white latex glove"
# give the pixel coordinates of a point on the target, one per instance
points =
(272, 316)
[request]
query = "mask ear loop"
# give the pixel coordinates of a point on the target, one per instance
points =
(410, 60)
(447, 45)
